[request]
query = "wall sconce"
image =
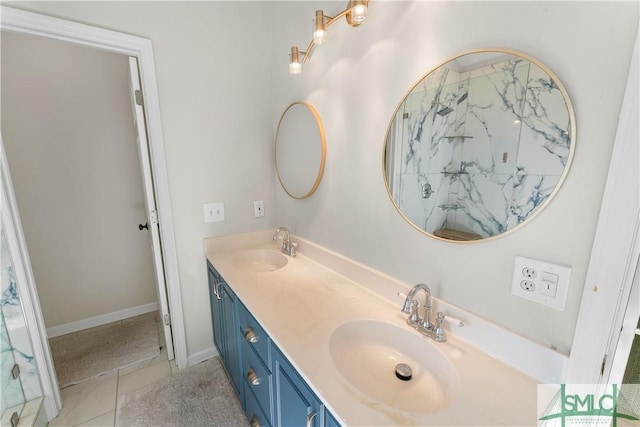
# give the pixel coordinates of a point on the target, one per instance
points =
(295, 66)
(355, 14)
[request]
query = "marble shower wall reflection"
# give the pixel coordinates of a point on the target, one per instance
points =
(481, 149)
(15, 346)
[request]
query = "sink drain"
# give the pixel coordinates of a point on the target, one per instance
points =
(403, 371)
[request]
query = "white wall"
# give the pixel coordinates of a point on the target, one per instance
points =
(356, 81)
(71, 146)
(220, 104)
(213, 68)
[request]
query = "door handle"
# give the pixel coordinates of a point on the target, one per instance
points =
(146, 225)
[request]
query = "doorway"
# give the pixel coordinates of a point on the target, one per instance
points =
(71, 144)
(13, 20)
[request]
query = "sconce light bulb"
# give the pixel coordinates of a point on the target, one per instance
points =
(359, 13)
(295, 68)
(320, 36)
(319, 28)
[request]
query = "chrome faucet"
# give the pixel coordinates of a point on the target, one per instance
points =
(288, 247)
(424, 325)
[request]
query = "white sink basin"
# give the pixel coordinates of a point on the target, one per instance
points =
(366, 353)
(261, 261)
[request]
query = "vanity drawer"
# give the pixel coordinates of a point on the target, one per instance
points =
(257, 380)
(253, 335)
(254, 412)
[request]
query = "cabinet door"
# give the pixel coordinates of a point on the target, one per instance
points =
(224, 323)
(296, 405)
(216, 311)
(329, 421)
(230, 337)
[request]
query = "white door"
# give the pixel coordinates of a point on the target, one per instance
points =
(150, 199)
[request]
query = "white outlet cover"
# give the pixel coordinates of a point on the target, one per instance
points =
(258, 208)
(540, 293)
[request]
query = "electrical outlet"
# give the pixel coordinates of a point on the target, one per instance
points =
(214, 212)
(529, 272)
(541, 282)
(528, 285)
(258, 209)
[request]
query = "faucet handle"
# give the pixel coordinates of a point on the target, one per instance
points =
(439, 328)
(441, 335)
(414, 317)
(454, 321)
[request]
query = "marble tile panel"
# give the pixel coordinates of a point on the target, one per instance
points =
(14, 330)
(529, 192)
(546, 126)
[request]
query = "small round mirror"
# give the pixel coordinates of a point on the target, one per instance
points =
(479, 145)
(300, 150)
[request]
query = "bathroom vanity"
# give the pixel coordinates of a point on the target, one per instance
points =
(313, 340)
(271, 390)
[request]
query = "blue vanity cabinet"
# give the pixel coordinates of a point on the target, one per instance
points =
(295, 403)
(224, 318)
(270, 390)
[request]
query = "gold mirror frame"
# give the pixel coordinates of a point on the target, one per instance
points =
(443, 108)
(301, 135)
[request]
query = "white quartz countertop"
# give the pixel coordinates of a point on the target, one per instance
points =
(301, 304)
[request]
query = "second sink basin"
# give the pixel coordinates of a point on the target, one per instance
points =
(261, 261)
(366, 353)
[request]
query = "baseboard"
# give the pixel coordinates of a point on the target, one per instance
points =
(201, 356)
(102, 319)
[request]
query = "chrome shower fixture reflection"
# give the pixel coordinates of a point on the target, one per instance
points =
(443, 109)
(355, 14)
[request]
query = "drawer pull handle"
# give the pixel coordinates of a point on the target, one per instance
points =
(254, 422)
(250, 336)
(310, 418)
(252, 377)
(216, 289)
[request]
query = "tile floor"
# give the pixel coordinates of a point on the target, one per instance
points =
(95, 402)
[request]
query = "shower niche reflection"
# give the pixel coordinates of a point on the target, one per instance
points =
(479, 145)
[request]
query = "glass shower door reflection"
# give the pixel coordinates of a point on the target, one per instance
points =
(19, 374)
(12, 393)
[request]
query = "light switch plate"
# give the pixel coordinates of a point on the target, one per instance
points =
(214, 212)
(542, 282)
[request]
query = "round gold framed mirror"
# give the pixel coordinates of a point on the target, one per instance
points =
(301, 150)
(479, 145)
